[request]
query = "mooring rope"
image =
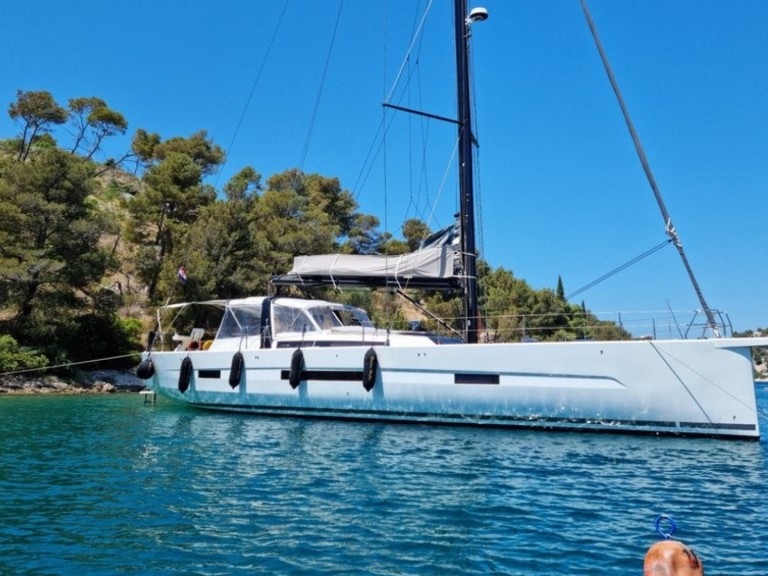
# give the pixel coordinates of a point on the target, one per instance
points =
(67, 365)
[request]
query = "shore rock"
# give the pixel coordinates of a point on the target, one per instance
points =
(98, 382)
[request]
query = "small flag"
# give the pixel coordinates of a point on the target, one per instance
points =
(182, 274)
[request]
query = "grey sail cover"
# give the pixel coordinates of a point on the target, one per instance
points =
(427, 268)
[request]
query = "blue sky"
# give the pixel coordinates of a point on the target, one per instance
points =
(561, 189)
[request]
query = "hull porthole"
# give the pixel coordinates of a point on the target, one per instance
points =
(146, 369)
(297, 365)
(370, 364)
(185, 374)
(236, 370)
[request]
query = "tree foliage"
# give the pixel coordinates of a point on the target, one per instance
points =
(299, 214)
(37, 112)
(364, 237)
(414, 231)
(15, 358)
(50, 235)
(170, 201)
(93, 121)
(86, 249)
(52, 259)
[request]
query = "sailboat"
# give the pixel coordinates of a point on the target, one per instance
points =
(293, 357)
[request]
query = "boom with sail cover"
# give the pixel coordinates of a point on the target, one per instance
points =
(430, 268)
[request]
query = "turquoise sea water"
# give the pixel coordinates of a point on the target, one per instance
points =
(106, 485)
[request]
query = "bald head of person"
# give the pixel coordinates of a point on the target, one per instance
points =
(672, 558)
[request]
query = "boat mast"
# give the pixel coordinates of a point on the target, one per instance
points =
(462, 24)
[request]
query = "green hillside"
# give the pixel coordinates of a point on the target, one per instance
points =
(89, 248)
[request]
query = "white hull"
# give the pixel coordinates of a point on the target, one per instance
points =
(691, 387)
(687, 387)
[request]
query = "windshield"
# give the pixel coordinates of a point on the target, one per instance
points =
(351, 316)
(290, 319)
(325, 317)
(322, 317)
(240, 321)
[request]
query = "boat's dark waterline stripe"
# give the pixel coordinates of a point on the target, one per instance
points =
(666, 428)
(215, 374)
(715, 426)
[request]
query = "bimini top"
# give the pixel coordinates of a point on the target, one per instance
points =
(432, 268)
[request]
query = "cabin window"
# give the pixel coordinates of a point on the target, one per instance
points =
(240, 321)
(287, 319)
(350, 316)
(325, 317)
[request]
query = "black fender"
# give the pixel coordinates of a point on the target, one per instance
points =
(297, 365)
(185, 374)
(370, 364)
(236, 370)
(146, 369)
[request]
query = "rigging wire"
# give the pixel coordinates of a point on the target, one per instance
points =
(635, 260)
(385, 124)
(443, 182)
(320, 89)
(374, 150)
(419, 201)
(424, 126)
(424, 183)
(253, 87)
(398, 92)
(416, 36)
(670, 228)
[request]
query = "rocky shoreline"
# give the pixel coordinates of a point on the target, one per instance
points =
(97, 382)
